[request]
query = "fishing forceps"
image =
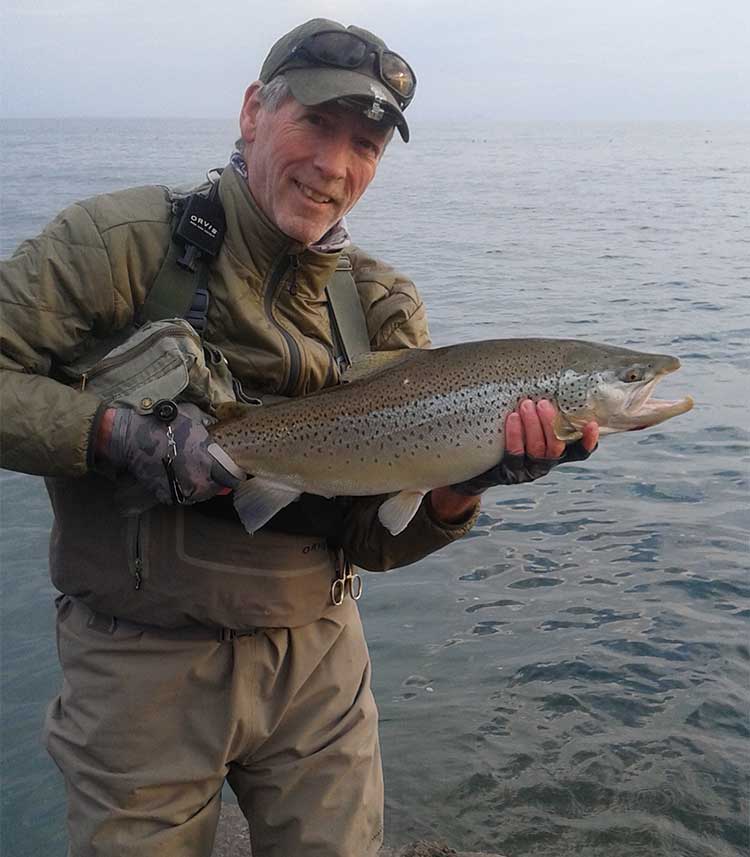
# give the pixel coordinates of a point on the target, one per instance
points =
(347, 579)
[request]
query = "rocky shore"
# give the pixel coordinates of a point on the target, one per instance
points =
(233, 840)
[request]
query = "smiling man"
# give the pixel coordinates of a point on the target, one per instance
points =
(308, 166)
(191, 653)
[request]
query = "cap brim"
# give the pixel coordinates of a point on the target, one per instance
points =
(312, 86)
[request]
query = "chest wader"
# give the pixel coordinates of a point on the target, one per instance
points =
(291, 579)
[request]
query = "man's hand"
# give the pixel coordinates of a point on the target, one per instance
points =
(140, 444)
(531, 451)
(531, 447)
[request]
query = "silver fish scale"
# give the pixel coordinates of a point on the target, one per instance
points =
(573, 389)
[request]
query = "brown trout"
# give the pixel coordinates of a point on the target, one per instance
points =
(412, 420)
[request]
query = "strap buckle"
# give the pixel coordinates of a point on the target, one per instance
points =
(197, 315)
(228, 635)
(101, 622)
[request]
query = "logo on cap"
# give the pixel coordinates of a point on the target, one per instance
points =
(375, 111)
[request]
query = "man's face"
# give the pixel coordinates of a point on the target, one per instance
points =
(308, 166)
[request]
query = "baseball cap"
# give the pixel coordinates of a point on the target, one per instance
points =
(321, 65)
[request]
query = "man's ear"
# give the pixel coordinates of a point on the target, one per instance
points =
(251, 106)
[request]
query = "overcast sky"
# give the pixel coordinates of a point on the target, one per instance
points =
(484, 59)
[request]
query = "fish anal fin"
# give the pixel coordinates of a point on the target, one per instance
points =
(257, 500)
(396, 512)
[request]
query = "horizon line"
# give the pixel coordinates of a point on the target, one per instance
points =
(415, 121)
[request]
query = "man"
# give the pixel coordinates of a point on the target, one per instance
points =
(192, 653)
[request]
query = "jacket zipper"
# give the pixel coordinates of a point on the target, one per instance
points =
(274, 281)
(294, 263)
(111, 362)
(136, 555)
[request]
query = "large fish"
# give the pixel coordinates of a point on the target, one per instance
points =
(412, 420)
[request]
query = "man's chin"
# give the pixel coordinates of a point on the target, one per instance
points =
(305, 232)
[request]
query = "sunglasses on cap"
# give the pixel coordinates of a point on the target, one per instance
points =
(346, 50)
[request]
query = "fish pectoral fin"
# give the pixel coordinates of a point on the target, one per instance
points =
(565, 430)
(257, 500)
(396, 512)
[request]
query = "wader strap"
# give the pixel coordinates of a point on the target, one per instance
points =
(106, 624)
(348, 323)
(180, 289)
(177, 293)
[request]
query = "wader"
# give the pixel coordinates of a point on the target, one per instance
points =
(150, 722)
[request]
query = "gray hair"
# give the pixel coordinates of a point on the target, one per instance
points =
(274, 93)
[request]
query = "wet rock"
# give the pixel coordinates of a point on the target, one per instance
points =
(232, 837)
(421, 849)
(233, 840)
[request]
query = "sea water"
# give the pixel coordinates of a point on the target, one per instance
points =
(572, 678)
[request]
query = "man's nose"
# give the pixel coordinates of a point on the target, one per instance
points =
(332, 157)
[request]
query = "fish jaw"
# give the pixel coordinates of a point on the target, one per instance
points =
(618, 405)
(640, 410)
(649, 412)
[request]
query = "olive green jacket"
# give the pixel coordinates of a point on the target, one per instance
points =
(85, 277)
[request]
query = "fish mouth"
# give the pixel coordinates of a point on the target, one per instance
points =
(642, 411)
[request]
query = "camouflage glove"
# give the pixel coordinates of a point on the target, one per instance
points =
(176, 461)
(517, 469)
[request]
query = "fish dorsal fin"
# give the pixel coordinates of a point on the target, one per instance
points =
(226, 411)
(398, 510)
(375, 362)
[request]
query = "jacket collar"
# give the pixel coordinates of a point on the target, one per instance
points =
(258, 244)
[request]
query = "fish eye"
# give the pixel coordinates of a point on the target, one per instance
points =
(631, 374)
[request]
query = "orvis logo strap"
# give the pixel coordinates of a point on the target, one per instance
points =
(202, 224)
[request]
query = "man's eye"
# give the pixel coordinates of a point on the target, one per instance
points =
(369, 146)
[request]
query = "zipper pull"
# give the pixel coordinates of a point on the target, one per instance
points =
(294, 264)
(84, 379)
